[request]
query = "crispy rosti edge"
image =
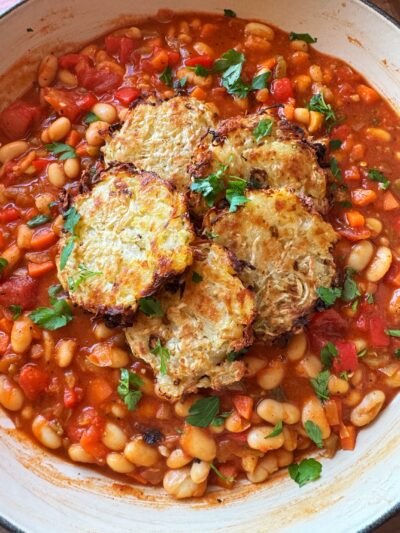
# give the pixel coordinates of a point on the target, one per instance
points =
(115, 316)
(214, 215)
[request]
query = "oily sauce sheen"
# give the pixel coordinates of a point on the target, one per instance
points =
(61, 385)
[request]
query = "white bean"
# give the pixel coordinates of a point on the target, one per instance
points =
(11, 150)
(258, 438)
(313, 411)
(105, 112)
(368, 409)
(199, 471)
(360, 255)
(114, 437)
(140, 453)
(380, 264)
(21, 334)
(45, 434)
(179, 484)
(259, 30)
(119, 463)
(59, 129)
(47, 70)
(11, 396)
(198, 443)
(65, 351)
(79, 455)
(297, 346)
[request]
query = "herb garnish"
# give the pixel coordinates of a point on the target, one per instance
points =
(150, 306)
(63, 151)
(320, 385)
(235, 193)
(232, 356)
(84, 274)
(211, 186)
(219, 474)
(90, 117)
(72, 218)
(163, 354)
(203, 412)
(54, 317)
(3, 264)
(375, 175)
(199, 70)
(397, 353)
(327, 354)
(335, 144)
(166, 76)
(314, 432)
(306, 37)
(260, 81)
(308, 470)
(129, 382)
(16, 311)
(196, 277)
(317, 103)
(229, 13)
(277, 430)
(350, 287)
(335, 169)
(230, 65)
(393, 332)
(329, 295)
(38, 220)
(263, 128)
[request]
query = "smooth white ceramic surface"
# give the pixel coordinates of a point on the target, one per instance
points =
(40, 493)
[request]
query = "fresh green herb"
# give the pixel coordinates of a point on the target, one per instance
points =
(350, 287)
(260, 81)
(199, 70)
(230, 65)
(362, 353)
(150, 306)
(16, 311)
(344, 375)
(210, 235)
(306, 37)
(3, 264)
(328, 352)
(317, 103)
(66, 252)
(277, 430)
(166, 76)
(355, 304)
(314, 432)
(370, 298)
(376, 175)
(129, 382)
(38, 220)
(308, 470)
(72, 218)
(393, 332)
(163, 354)
(263, 128)
(229, 13)
(320, 385)
(54, 317)
(90, 117)
(397, 353)
(203, 412)
(235, 193)
(211, 186)
(232, 356)
(84, 274)
(219, 420)
(329, 295)
(182, 82)
(335, 169)
(345, 204)
(53, 291)
(63, 151)
(228, 479)
(53, 204)
(335, 144)
(196, 277)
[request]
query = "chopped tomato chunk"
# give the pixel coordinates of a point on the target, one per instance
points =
(126, 95)
(33, 380)
(19, 118)
(69, 103)
(72, 397)
(19, 290)
(377, 333)
(9, 214)
(204, 61)
(69, 61)
(282, 89)
(324, 327)
(346, 360)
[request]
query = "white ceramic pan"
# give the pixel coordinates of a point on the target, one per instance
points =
(40, 493)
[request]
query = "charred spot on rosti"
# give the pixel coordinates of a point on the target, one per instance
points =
(120, 245)
(188, 346)
(289, 248)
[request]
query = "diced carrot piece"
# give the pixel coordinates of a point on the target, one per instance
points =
(269, 63)
(243, 405)
(332, 412)
(289, 111)
(98, 390)
(348, 437)
(355, 219)
(4, 342)
(73, 138)
(30, 213)
(82, 149)
(35, 270)
(353, 173)
(2, 240)
(394, 280)
(198, 93)
(361, 197)
(367, 95)
(160, 61)
(390, 202)
(229, 472)
(43, 239)
(6, 325)
(208, 30)
(91, 443)
(9, 214)
(147, 407)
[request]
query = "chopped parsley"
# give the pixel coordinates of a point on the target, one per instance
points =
(16, 311)
(3, 264)
(362, 353)
(90, 117)
(211, 186)
(230, 66)
(376, 175)
(163, 354)
(329, 295)
(314, 432)
(54, 317)
(203, 412)
(327, 354)
(179, 84)
(305, 472)
(397, 353)
(150, 306)
(232, 356)
(228, 479)
(345, 204)
(306, 37)
(229, 13)
(335, 169)
(53, 291)
(350, 287)
(260, 81)
(320, 385)
(235, 193)
(263, 128)
(277, 430)
(66, 252)
(83, 274)
(196, 277)
(38, 220)
(370, 298)
(63, 151)
(393, 332)
(335, 144)
(166, 76)
(219, 420)
(129, 383)
(72, 218)
(317, 103)
(199, 70)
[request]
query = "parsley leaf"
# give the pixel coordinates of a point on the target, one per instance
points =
(128, 382)
(376, 175)
(335, 144)
(393, 332)
(314, 432)
(219, 420)
(370, 298)
(166, 76)
(306, 37)
(53, 291)
(397, 353)
(38, 220)
(163, 354)
(329, 295)
(63, 151)
(3, 263)
(54, 317)
(320, 385)
(196, 277)
(350, 287)
(260, 81)
(16, 311)
(90, 117)
(232, 356)
(179, 84)
(335, 169)
(317, 103)
(211, 186)
(72, 218)
(203, 412)
(228, 479)
(150, 306)
(277, 430)
(263, 128)
(66, 252)
(235, 193)
(84, 274)
(308, 470)
(229, 13)
(199, 70)
(328, 352)
(230, 65)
